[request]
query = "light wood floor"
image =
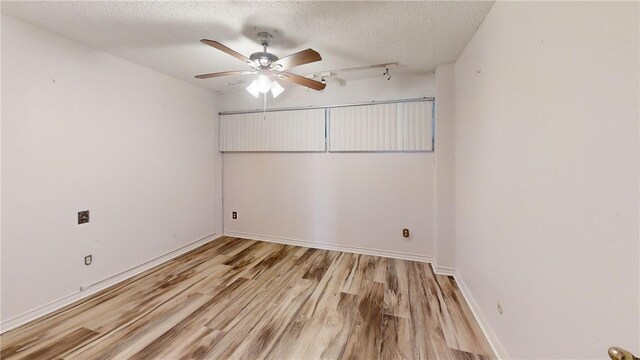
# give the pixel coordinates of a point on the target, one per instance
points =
(242, 299)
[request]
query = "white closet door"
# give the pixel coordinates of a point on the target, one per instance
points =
(282, 131)
(382, 127)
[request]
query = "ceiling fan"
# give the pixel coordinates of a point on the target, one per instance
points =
(269, 66)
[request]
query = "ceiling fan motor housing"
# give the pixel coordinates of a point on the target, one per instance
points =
(264, 59)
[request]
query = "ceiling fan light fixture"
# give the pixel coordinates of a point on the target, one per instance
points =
(253, 88)
(263, 83)
(276, 89)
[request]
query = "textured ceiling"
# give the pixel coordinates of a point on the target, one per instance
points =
(165, 35)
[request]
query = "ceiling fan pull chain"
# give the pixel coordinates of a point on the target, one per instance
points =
(264, 111)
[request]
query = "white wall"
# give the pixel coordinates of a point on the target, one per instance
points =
(547, 176)
(346, 199)
(83, 130)
(444, 249)
(357, 200)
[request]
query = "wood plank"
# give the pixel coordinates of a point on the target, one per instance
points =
(63, 345)
(323, 318)
(246, 255)
(365, 339)
(396, 292)
(277, 254)
(288, 339)
(166, 339)
(286, 343)
(336, 328)
(466, 331)
(379, 273)
(243, 323)
(240, 264)
(227, 315)
(129, 339)
(463, 355)
(353, 281)
(326, 287)
(258, 341)
(397, 338)
(439, 304)
(425, 315)
(319, 267)
(48, 350)
(194, 344)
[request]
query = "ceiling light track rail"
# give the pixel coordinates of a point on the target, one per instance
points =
(327, 106)
(331, 73)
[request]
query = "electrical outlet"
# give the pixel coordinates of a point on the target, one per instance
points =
(234, 215)
(405, 233)
(500, 310)
(88, 260)
(83, 217)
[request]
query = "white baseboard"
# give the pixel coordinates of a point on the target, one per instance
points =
(101, 285)
(335, 247)
(444, 270)
(495, 343)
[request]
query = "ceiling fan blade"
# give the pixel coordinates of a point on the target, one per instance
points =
(224, 73)
(301, 80)
(299, 58)
(229, 51)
